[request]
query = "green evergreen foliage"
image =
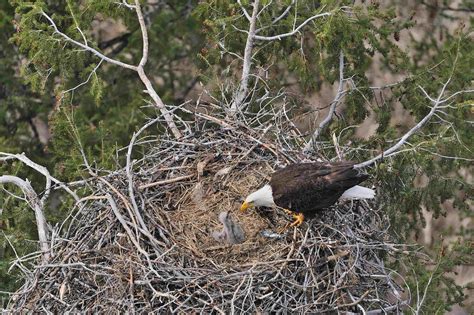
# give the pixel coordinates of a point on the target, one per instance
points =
(18, 107)
(111, 100)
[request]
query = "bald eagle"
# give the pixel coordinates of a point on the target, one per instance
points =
(306, 188)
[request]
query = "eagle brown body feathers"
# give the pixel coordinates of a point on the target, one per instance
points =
(309, 187)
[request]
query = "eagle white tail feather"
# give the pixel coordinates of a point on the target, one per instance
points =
(358, 192)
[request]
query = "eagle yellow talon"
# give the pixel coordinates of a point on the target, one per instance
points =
(299, 218)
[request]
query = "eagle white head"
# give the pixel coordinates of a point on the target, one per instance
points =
(260, 198)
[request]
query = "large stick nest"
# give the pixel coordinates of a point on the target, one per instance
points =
(142, 240)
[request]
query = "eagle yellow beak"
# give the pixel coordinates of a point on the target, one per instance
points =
(245, 206)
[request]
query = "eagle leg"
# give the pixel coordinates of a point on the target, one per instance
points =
(299, 218)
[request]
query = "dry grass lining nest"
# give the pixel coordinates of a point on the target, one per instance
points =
(143, 243)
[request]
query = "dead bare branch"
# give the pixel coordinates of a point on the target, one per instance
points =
(139, 69)
(332, 109)
(436, 102)
(294, 31)
(37, 206)
(149, 86)
(243, 87)
(42, 170)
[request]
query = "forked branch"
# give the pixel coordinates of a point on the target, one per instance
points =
(158, 102)
(393, 150)
(42, 170)
(294, 31)
(252, 35)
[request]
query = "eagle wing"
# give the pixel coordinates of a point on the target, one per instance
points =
(308, 187)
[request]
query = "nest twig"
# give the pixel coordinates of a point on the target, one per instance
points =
(141, 242)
